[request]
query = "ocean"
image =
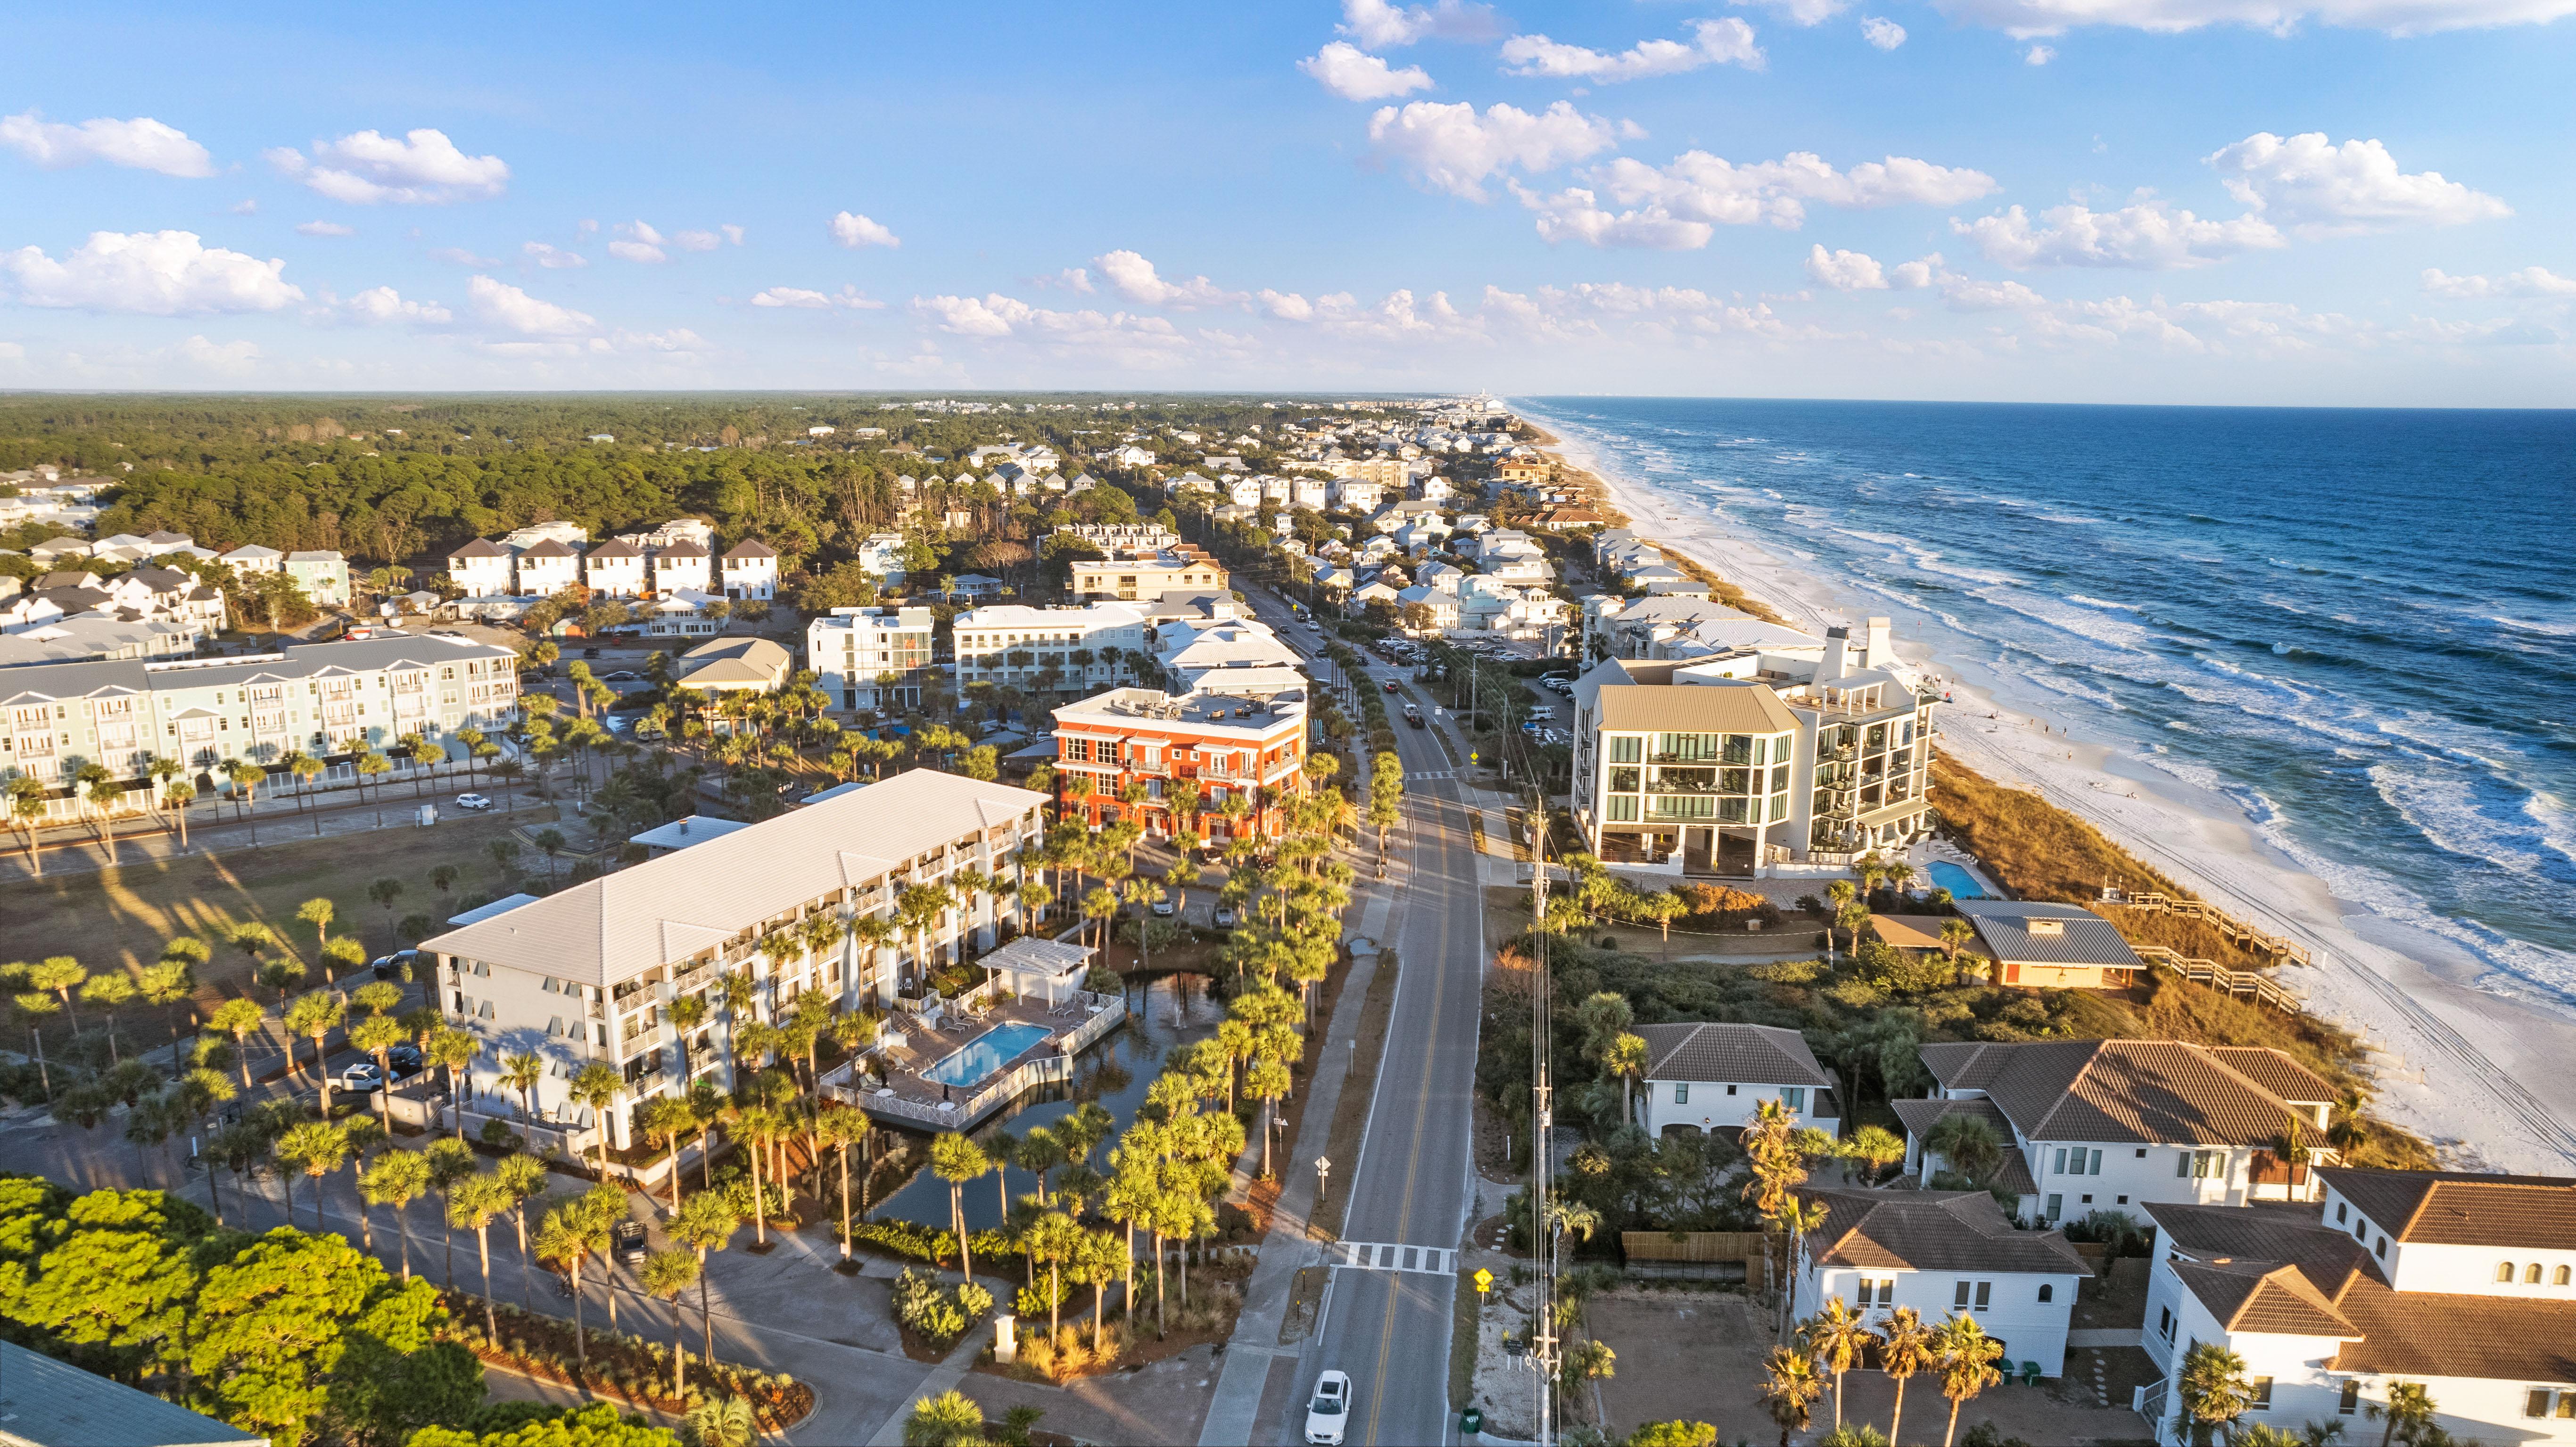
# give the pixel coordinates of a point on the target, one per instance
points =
(2360, 626)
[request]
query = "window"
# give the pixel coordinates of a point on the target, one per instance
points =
(2531, 1274)
(2504, 1272)
(2562, 1277)
(2047, 1292)
(1959, 1297)
(1794, 1097)
(1887, 1292)
(1627, 749)
(2056, 1207)
(1985, 1295)
(2142, 1153)
(2535, 1403)
(2350, 1402)
(2381, 1250)
(1731, 1090)
(2165, 1328)
(2341, 1212)
(2259, 1399)
(1681, 1092)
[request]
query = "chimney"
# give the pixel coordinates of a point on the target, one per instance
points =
(1882, 652)
(1837, 655)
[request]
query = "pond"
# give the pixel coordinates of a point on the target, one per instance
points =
(1960, 883)
(1168, 1011)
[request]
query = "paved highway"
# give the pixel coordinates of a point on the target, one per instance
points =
(1387, 1325)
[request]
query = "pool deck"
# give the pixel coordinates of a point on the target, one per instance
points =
(907, 1098)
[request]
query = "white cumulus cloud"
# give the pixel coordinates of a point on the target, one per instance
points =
(143, 144)
(325, 228)
(505, 305)
(1713, 42)
(2317, 188)
(1288, 306)
(1802, 12)
(2025, 18)
(1134, 277)
(162, 273)
(1379, 25)
(640, 243)
(383, 306)
(1845, 270)
(1883, 33)
(2038, 55)
(1452, 148)
(553, 258)
(1354, 74)
(2146, 236)
(1675, 207)
(2528, 282)
(424, 167)
(804, 299)
(853, 230)
(1967, 294)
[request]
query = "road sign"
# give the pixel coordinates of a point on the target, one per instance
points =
(1484, 1281)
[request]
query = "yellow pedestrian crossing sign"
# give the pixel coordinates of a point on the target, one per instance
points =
(1484, 1281)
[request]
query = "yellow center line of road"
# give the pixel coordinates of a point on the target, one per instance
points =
(1413, 1163)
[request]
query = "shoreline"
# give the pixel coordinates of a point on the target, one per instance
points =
(2465, 1066)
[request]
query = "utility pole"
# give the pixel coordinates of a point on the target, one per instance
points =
(1544, 1347)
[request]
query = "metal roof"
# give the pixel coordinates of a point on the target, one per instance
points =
(49, 1403)
(2085, 938)
(665, 910)
(1699, 708)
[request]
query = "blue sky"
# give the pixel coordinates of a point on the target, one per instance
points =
(2263, 201)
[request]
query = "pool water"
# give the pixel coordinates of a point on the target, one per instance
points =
(1960, 883)
(985, 1054)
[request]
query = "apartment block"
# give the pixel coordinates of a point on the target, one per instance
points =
(1232, 745)
(332, 700)
(871, 658)
(588, 974)
(1037, 649)
(1146, 577)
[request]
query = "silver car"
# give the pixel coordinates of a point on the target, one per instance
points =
(1329, 1412)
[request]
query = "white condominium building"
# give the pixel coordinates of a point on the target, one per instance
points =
(588, 974)
(330, 700)
(871, 658)
(1081, 649)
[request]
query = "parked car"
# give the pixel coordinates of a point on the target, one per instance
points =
(1165, 909)
(475, 802)
(405, 1059)
(385, 967)
(363, 1078)
(590, 653)
(1224, 916)
(628, 1236)
(1328, 1412)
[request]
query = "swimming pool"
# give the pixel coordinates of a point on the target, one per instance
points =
(986, 1053)
(1960, 883)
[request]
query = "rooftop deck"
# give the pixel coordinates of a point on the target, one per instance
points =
(888, 1084)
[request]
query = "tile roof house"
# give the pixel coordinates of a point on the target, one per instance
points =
(1941, 1252)
(2116, 1124)
(2462, 1283)
(1716, 1076)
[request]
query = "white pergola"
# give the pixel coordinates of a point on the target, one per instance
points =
(1031, 965)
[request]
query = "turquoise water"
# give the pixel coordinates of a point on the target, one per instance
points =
(985, 1054)
(2357, 625)
(1960, 883)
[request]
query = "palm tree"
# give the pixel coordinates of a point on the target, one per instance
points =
(565, 1241)
(950, 1419)
(396, 1178)
(473, 1203)
(526, 1178)
(1840, 1337)
(451, 1051)
(107, 991)
(597, 1086)
(1967, 1364)
(1053, 1238)
(28, 800)
(840, 1127)
(957, 1160)
(317, 1148)
(238, 1018)
(666, 1274)
(1839, 896)
(2408, 1411)
(520, 1071)
(246, 779)
(313, 1017)
(705, 1224)
(663, 1122)
(179, 793)
(61, 974)
(2212, 1389)
(1790, 1389)
(1905, 1346)
(378, 1035)
(450, 1161)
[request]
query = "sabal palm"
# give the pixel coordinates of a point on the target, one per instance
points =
(1967, 1364)
(1906, 1346)
(1839, 1337)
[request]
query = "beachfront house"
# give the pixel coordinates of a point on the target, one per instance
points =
(2081, 1126)
(2460, 1285)
(1702, 1078)
(587, 975)
(1943, 1252)
(2051, 946)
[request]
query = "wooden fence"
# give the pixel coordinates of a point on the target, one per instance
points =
(1690, 1253)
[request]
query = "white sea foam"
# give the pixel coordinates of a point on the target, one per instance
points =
(2083, 601)
(2550, 630)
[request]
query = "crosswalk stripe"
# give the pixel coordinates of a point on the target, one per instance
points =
(1395, 1256)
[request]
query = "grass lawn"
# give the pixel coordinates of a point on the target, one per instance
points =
(123, 915)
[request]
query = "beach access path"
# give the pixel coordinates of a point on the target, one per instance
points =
(2476, 1071)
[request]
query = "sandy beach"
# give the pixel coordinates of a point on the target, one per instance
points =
(2483, 1075)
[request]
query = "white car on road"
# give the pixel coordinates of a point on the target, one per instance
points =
(1330, 1410)
(472, 802)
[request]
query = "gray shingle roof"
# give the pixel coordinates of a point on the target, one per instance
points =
(2086, 938)
(2149, 1091)
(1744, 1054)
(665, 910)
(1932, 1231)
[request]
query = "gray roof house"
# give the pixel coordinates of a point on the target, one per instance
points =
(49, 1403)
(2054, 946)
